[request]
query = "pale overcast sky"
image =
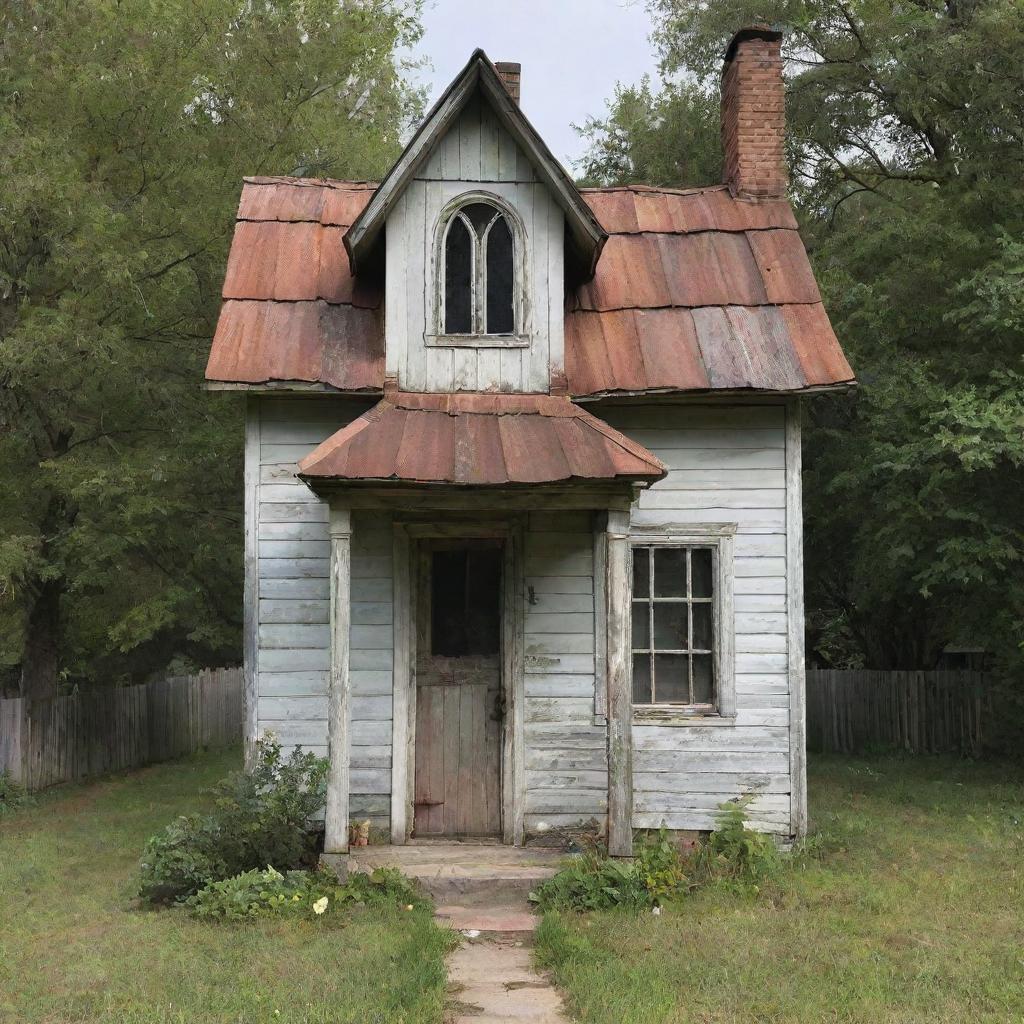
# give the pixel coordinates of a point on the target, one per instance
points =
(572, 51)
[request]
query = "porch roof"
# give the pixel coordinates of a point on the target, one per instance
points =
(478, 440)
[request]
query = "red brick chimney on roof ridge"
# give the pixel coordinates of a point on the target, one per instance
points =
(510, 74)
(754, 115)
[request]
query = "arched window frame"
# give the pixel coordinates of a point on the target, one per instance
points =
(519, 336)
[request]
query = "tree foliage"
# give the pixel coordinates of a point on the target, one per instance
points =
(125, 130)
(906, 146)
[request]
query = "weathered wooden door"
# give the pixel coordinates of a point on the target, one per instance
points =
(459, 696)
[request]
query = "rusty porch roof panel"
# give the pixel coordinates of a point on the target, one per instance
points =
(292, 310)
(478, 440)
(696, 291)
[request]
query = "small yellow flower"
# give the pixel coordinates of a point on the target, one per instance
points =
(320, 906)
(408, 906)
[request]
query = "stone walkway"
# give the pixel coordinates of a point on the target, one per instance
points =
(480, 891)
(492, 980)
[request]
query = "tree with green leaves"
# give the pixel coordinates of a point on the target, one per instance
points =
(125, 130)
(906, 147)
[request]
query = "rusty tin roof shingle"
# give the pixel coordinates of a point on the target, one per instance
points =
(695, 291)
(473, 439)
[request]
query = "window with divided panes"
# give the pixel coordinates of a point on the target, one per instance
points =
(479, 272)
(673, 626)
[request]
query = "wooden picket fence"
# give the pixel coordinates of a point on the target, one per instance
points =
(851, 712)
(109, 729)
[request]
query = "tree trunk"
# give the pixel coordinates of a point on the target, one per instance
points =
(40, 662)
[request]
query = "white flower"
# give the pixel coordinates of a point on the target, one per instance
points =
(320, 906)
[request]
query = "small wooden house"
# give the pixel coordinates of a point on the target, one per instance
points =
(522, 464)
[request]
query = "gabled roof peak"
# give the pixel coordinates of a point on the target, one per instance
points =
(585, 235)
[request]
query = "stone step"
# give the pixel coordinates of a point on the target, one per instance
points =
(505, 920)
(456, 872)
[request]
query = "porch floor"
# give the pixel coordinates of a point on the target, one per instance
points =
(447, 869)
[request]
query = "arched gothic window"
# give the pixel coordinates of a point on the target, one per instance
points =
(479, 271)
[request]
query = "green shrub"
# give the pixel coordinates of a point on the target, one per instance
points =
(591, 881)
(305, 893)
(734, 854)
(259, 818)
(12, 795)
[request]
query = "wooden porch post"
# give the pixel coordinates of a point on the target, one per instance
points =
(336, 818)
(620, 697)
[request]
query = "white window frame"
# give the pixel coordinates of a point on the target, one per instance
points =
(719, 537)
(520, 336)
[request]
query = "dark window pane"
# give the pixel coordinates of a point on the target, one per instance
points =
(703, 633)
(641, 625)
(458, 272)
(703, 679)
(670, 572)
(500, 279)
(641, 679)
(701, 570)
(465, 589)
(670, 633)
(480, 215)
(671, 685)
(641, 570)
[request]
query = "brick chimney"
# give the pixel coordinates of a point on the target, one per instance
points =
(754, 115)
(510, 73)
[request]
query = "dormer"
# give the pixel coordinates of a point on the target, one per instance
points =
(475, 231)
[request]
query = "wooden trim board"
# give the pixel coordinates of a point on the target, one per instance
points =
(795, 622)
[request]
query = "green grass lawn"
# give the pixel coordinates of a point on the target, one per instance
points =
(914, 912)
(75, 947)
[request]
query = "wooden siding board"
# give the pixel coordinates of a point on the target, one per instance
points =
(727, 464)
(293, 609)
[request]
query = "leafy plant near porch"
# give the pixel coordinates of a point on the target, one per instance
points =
(317, 893)
(261, 817)
(733, 856)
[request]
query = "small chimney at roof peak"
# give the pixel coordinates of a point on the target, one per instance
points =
(754, 114)
(510, 73)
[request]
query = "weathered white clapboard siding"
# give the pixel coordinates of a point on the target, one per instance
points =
(567, 776)
(293, 561)
(727, 464)
(476, 154)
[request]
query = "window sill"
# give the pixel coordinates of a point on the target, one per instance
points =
(478, 340)
(680, 716)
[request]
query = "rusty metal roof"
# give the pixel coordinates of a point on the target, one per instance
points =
(473, 439)
(695, 291)
(292, 310)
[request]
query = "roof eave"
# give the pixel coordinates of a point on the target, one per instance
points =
(840, 387)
